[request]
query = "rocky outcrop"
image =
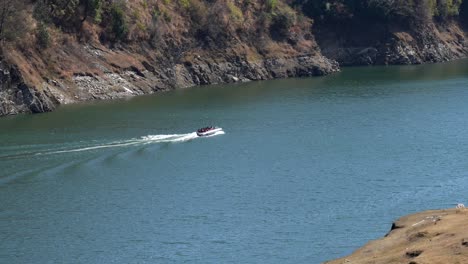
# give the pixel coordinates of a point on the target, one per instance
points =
(145, 78)
(430, 44)
(205, 72)
(438, 236)
(17, 97)
(155, 78)
(396, 46)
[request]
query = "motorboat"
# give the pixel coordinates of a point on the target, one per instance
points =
(208, 131)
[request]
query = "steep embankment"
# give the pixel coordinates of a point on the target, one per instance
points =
(97, 72)
(141, 47)
(349, 44)
(58, 51)
(436, 237)
(391, 31)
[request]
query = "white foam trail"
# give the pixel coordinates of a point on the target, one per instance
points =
(217, 134)
(169, 138)
(91, 148)
(150, 139)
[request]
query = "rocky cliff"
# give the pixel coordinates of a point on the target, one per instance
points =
(362, 44)
(115, 74)
(400, 32)
(149, 46)
(436, 237)
(18, 97)
(58, 53)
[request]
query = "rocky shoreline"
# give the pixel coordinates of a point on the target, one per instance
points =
(438, 236)
(17, 97)
(81, 72)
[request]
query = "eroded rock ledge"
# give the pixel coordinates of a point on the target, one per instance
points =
(429, 43)
(435, 237)
(17, 97)
(105, 79)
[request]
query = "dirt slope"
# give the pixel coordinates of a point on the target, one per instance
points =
(432, 237)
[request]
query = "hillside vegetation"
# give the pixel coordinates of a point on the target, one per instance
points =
(213, 23)
(389, 11)
(363, 32)
(174, 30)
(63, 51)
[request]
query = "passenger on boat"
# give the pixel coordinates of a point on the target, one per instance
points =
(205, 129)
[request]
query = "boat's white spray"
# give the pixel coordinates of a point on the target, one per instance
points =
(150, 139)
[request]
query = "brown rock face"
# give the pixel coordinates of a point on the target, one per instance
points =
(392, 44)
(435, 237)
(17, 97)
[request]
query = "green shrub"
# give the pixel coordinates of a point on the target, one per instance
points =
(235, 11)
(167, 17)
(68, 14)
(448, 8)
(185, 3)
(94, 9)
(63, 10)
(119, 23)
(280, 24)
(271, 5)
(386, 11)
(198, 12)
(142, 27)
(43, 36)
(155, 14)
(41, 12)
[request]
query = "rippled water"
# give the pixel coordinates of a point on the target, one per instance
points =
(308, 169)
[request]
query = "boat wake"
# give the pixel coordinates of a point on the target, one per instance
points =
(145, 140)
(150, 139)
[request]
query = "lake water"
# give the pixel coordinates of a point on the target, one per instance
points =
(308, 169)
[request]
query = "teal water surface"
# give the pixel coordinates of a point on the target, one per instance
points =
(308, 169)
